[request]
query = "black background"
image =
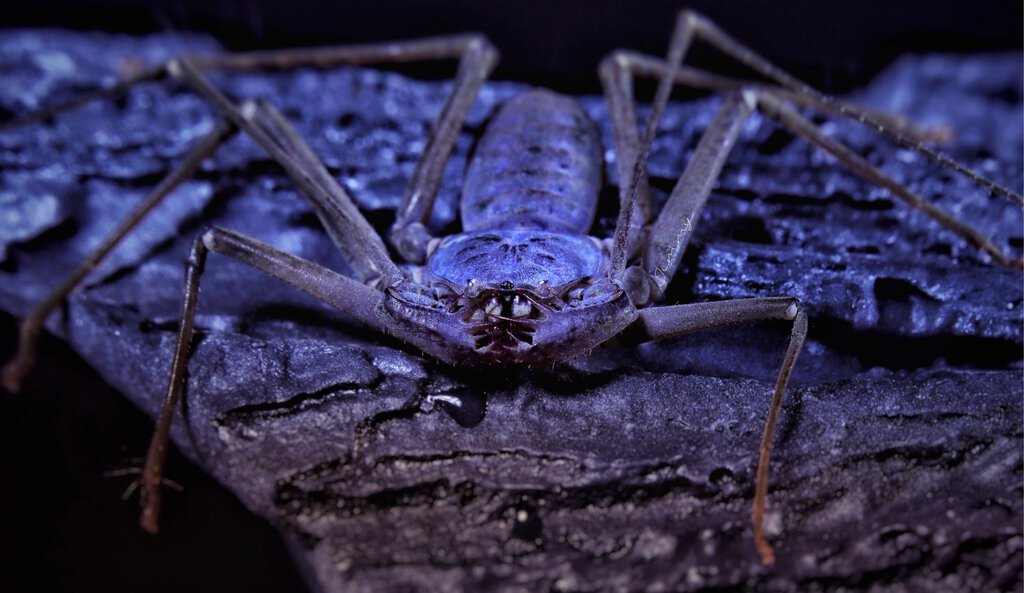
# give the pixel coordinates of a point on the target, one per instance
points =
(831, 44)
(63, 524)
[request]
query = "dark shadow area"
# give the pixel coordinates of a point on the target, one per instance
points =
(65, 526)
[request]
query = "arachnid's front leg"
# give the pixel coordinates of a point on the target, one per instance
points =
(341, 292)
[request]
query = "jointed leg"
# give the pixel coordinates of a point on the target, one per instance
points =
(477, 57)
(671, 231)
(355, 237)
(798, 124)
(339, 291)
(15, 370)
(409, 234)
(632, 150)
(665, 322)
(345, 224)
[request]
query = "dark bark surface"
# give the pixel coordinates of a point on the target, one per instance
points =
(898, 465)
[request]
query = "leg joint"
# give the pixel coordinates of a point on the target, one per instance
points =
(203, 243)
(614, 63)
(176, 67)
(479, 43)
(752, 97)
(208, 239)
(690, 18)
(794, 309)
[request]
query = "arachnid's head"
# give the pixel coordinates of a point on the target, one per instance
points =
(510, 297)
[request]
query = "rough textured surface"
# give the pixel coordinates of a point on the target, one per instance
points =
(898, 465)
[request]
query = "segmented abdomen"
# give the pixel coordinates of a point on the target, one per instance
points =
(538, 166)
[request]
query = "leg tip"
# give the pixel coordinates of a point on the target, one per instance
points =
(766, 552)
(13, 373)
(148, 521)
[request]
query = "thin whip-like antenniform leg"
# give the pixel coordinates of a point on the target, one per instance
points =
(619, 68)
(633, 195)
(118, 88)
(32, 324)
(665, 322)
(339, 291)
(708, 31)
(672, 229)
(798, 124)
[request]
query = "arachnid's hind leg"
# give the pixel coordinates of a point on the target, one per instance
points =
(339, 291)
(665, 322)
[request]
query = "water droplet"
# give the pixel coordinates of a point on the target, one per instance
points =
(467, 409)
